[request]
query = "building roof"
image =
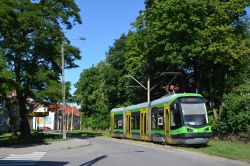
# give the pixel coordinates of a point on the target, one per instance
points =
(75, 111)
(68, 109)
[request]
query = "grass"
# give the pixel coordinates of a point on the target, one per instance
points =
(232, 150)
(84, 133)
(40, 138)
(35, 138)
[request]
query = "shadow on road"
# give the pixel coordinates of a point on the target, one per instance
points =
(29, 162)
(198, 146)
(92, 162)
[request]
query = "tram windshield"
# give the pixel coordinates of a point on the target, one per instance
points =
(194, 113)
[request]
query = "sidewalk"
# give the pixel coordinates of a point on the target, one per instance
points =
(70, 143)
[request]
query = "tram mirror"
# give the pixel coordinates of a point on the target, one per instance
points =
(210, 104)
(175, 106)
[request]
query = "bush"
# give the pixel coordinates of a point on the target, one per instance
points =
(96, 122)
(234, 115)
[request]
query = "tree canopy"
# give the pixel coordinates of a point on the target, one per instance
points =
(207, 41)
(31, 36)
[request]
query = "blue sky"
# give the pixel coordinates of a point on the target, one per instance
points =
(103, 22)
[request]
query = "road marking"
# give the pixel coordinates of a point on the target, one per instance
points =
(22, 159)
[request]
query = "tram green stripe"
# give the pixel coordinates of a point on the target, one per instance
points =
(118, 113)
(136, 131)
(120, 130)
(184, 130)
(158, 132)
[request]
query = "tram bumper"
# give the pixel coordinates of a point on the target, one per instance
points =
(191, 138)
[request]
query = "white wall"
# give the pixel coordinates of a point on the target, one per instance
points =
(42, 122)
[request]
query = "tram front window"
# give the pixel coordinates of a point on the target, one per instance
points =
(194, 113)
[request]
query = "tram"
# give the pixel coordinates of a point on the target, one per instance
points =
(174, 119)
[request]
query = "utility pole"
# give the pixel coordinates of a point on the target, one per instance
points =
(148, 89)
(71, 127)
(63, 94)
(63, 87)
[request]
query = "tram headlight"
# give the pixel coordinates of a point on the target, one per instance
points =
(206, 129)
(189, 130)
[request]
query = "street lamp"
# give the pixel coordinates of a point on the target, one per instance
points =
(63, 86)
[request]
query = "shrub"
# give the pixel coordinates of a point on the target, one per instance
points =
(235, 113)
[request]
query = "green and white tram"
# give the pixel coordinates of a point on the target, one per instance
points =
(175, 119)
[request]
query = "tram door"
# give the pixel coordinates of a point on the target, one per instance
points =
(167, 123)
(144, 124)
(128, 125)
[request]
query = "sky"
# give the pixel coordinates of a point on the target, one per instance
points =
(103, 22)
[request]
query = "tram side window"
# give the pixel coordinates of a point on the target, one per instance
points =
(135, 121)
(118, 121)
(175, 116)
(157, 119)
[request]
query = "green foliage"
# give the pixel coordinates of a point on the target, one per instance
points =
(206, 40)
(31, 38)
(101, 87)
(235, 112)
(6, 78)
(92, 94)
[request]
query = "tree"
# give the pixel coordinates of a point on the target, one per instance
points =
(53, 93)
(205, 40)
(30, 39)
(7, 85)
(116, 57)
(235, 112)
(95, 93)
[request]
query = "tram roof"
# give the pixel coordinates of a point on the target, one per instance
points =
(118, 109)
(156, 102)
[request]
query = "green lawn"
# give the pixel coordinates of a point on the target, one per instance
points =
(225, 149)
(88, 133)
(36, 138)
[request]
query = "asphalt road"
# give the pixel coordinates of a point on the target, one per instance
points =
(111, 152)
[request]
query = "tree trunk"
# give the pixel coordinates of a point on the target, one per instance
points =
(12, 122)
(23, 121)
(215, 114)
